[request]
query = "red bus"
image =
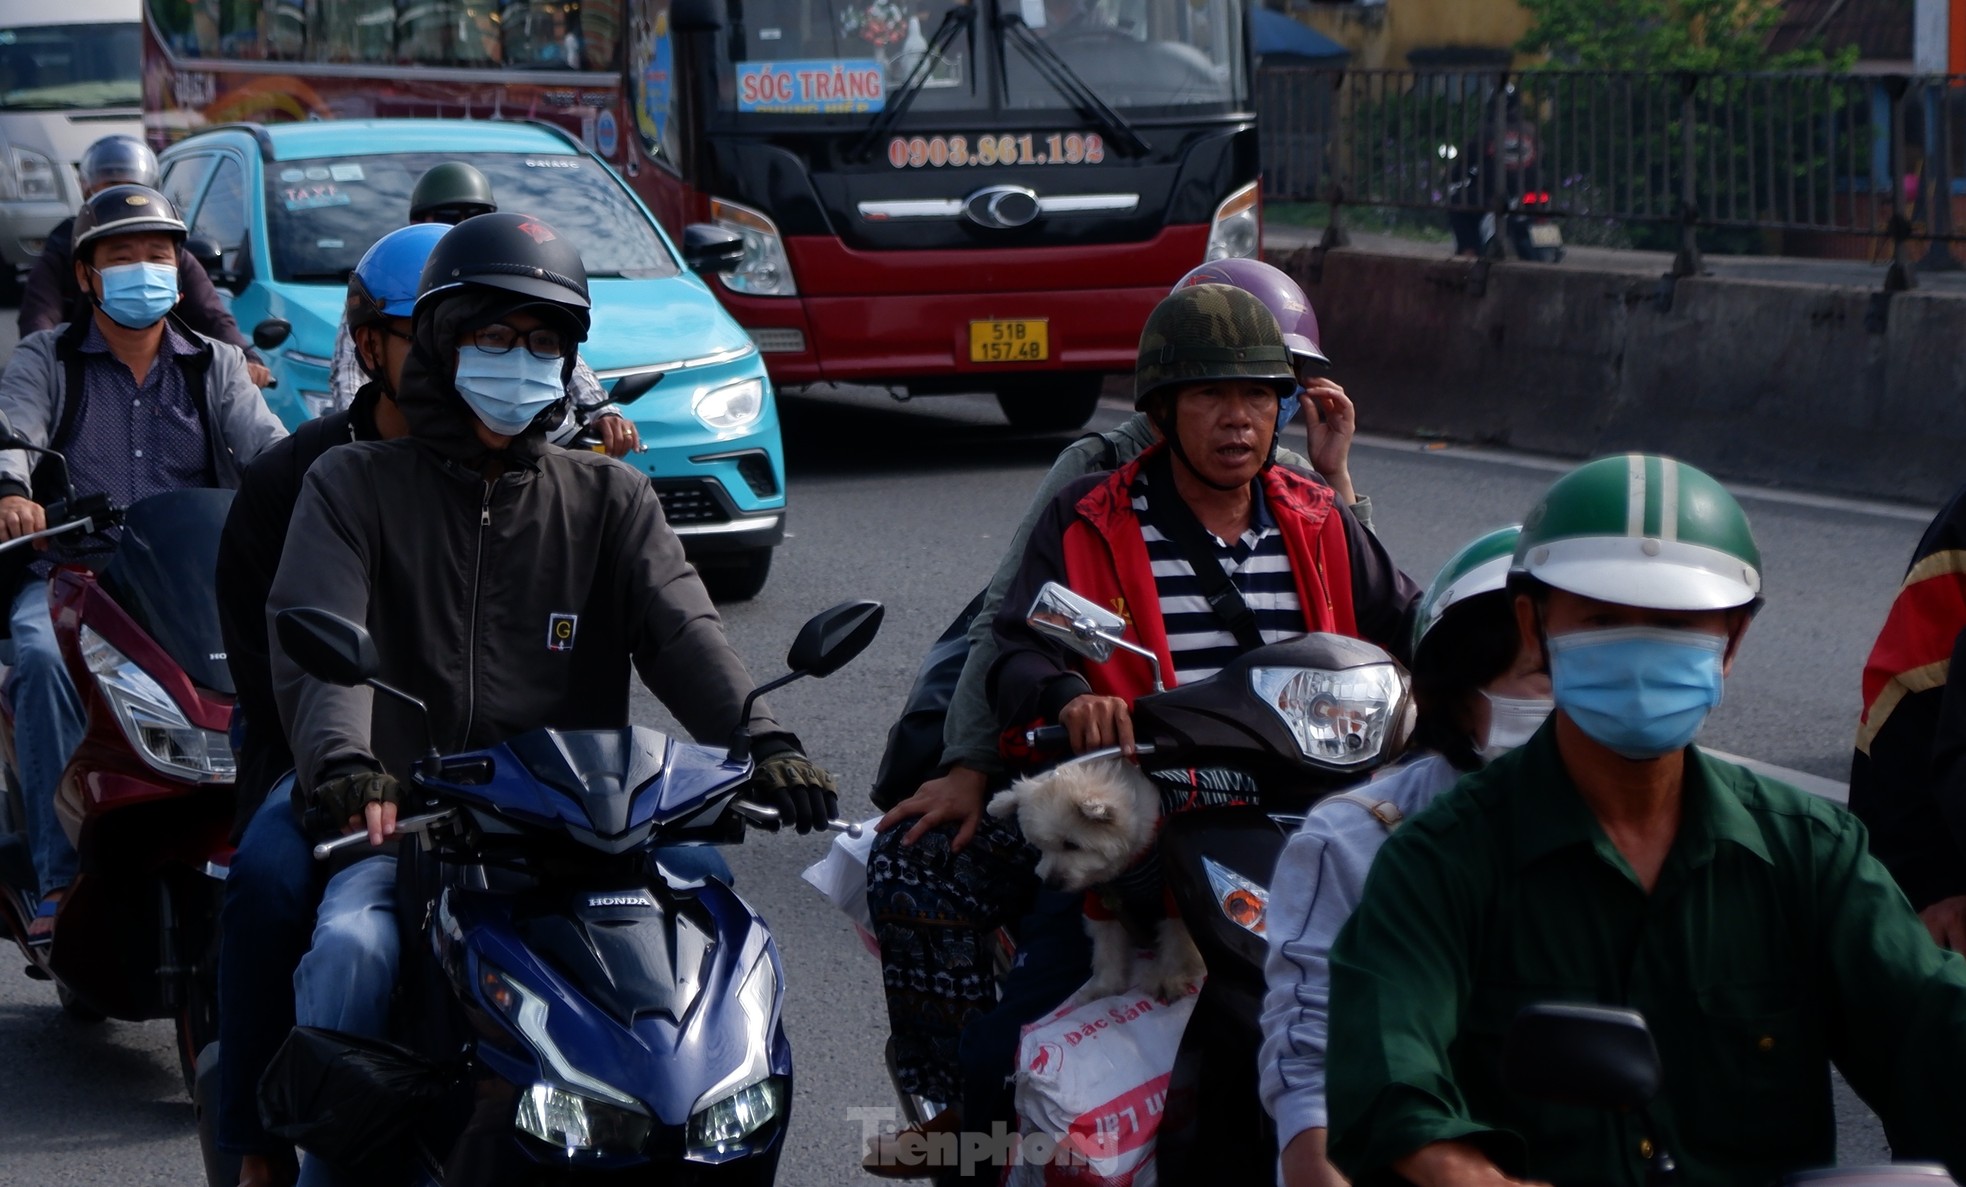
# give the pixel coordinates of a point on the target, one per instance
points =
(936, 196)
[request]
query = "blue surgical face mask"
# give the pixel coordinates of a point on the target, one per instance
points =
(137, 296)
(1641, 691)
(508, 390)
(1287, 408)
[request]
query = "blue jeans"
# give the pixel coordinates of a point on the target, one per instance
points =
(264, 930)
(48, 725)
(345, 981)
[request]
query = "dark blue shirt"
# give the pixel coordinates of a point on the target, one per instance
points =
(131, 440)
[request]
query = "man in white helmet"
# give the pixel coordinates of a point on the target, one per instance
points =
(1608, 861)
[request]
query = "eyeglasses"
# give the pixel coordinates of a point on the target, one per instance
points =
(542, 343)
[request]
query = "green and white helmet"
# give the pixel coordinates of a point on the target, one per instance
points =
(1642, 530)
(1480, 567)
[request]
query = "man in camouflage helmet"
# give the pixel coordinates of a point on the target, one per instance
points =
(1608, 860)
(1212, 367)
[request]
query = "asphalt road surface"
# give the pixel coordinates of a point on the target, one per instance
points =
(911, 505)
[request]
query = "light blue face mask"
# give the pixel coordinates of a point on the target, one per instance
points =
(1641, 691)
(137, 296)
(1287, 408)
(508, 390)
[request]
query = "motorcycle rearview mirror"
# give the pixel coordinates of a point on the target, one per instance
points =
(1600, 1057)
(630, 388)
(709, 248)
(334, 650)
(327, 646)
(269, 334)
(824, 645)
(1084, 627)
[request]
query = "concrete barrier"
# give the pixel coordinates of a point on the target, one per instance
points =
(1814, 387)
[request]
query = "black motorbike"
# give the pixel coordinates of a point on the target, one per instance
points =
(1305, 717)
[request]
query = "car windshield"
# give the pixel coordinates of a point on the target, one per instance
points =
(323, 213)
(51, 67)
(849, 57)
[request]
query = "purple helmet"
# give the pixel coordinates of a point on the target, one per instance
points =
(1273, 287)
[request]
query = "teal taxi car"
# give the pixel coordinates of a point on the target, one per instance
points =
(290, 208)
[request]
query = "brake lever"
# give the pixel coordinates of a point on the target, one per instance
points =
(414, 824)
(758, 814)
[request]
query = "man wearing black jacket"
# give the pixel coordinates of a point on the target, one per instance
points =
(272, 887)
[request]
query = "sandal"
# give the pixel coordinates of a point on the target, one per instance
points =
(909, 1152)
(41, 926)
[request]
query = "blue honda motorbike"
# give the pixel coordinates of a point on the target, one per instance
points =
(578, 1004)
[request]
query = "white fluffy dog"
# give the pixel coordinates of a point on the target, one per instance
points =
(1091, 823)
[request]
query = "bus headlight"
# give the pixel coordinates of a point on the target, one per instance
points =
(1237, 229)
(765, 271)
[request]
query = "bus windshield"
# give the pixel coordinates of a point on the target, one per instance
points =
(323, 213)
(53, 67)
(845, 57)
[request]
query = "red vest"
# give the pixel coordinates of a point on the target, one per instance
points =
(1106, 561)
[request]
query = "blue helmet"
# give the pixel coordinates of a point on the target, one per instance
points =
(384, 284)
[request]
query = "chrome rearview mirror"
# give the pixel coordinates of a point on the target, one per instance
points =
(1084, 626)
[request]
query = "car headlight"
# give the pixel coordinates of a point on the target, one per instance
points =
(765, 271)
(1340, 719)
(750, 1099)
(35, 177)
(156, 728)
(316, 403)
(580, 1125)
(1236, 231)
(575, 1112)
(731, 407)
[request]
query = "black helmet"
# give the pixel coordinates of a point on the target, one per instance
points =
(117, 160)
(516, 253)
(450, 193)
(124, 210)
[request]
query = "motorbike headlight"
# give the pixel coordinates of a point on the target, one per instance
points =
(731, 407)
(1340, 719)
(35, 176)
(765, 270)
(724, 1126)
(1237, 228)
(579, 1125)
(156, 728)
(750, 1098)
(1244, 903)
(578, 1113)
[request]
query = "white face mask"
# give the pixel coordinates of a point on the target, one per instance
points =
(1511, 722)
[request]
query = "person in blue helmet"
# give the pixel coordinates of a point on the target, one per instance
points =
(270, 894)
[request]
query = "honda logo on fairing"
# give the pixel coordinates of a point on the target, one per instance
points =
(637, 899)
(1003, 207)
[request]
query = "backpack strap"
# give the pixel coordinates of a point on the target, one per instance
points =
(1177, 522)
(1385, 812)
(1109, 447)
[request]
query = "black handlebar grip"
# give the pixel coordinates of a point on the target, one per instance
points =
(1048, 740)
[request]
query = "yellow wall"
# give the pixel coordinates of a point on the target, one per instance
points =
(1381, 35)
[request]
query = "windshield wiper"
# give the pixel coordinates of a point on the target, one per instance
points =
(962, 16)
(1066, 81)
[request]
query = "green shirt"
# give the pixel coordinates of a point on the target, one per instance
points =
(1772, 944)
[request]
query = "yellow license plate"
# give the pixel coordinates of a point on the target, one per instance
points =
(1027, 341)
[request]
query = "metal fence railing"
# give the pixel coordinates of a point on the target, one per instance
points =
(1810, 162)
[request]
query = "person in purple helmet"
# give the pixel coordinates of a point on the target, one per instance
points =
(942, 865)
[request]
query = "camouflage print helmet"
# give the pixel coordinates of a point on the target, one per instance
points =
(1210, 332)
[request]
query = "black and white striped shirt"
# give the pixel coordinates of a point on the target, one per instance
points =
(1257, 563)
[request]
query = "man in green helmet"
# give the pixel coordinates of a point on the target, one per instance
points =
(1608, 861)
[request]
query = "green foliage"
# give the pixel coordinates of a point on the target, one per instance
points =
(1666, 35)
